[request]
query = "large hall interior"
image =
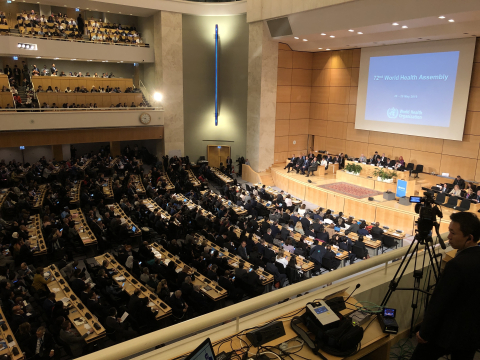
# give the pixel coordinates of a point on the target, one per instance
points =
(200, 179)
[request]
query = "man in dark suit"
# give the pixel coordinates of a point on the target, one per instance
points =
(75, 341)
(254, 282)
(53, 70)
(317, 227)
(200, 302)
(179, 306)
(444, 189)
(317, 252)
(450, 324)
(375, 157)
(42, 346)
(8, 70)
(272, 269)
(460, 182)
(299, 163)
(240, 272)
(292, 163)
(376, 230)
(305, 221)
(329, 260)
(268, 236)
(242, 251)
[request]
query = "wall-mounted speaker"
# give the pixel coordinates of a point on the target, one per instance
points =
(279, 27)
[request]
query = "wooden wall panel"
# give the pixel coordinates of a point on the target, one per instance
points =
(299, 127)
(472, 123)
(430, 161)
(284, 77)
(337, 130)
(300, 111)
(455, 165)
(321, 77)
(356, 208)
(301, 94)
(300, 142)
(395, 219)
(282, 127)
(320, 94)
(317, 127)
(320, 60)
(339, 95)
(355, 149)
(388, 150)
(335, 146)
(283, 111)
(319, 143)
(340, 77)
(285, 59)
(356, 135)
(296, 188)
(284, 94)
(397, 152)
(477, 174)
(461, 148)
(319, 111)
(337, 112)
(281, 144)
(302, 60)
(280, 157)
(316, 196)
(301, 77)
(335, 203)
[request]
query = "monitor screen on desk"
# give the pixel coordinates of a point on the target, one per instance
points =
(134, 228)
(203, 352)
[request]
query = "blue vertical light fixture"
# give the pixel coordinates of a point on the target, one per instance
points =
(216, 75)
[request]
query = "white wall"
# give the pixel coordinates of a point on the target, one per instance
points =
(74, 50)
(145, 28)
(121, 19)
(32, 153)
(77, 119)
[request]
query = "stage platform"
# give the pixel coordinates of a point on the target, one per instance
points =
(388, 213)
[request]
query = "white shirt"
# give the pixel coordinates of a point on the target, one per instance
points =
(327, 221)
(301, 211)
(283, 261)
(288, 201)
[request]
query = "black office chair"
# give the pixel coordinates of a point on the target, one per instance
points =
(358, 251)
(452, 202)
(418, 170)
(391, 163)
(388, 242)
(464, 205)
(409, 167)
(440, 199)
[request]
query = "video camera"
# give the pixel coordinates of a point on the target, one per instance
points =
(428, 211)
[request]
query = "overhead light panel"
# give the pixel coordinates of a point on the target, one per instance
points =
(351, 30)
(323, 34)
(451, 20)
(327, 49)
(441, 17)
(296, 37)
(305, 40)
(332, 36)
(360, 33)
(404, 27)
(395, 24)
(320, 48)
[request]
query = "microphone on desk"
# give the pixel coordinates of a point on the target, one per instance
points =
(356, 287)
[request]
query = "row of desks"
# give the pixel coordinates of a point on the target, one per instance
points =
(226, 179)
(39, 197)
(12, 349)
(37, 242)
(129, 284)
(234, 260)
(108, 190)
(81, 225)
(193, 179)
(80, 317)
(75, 193)
(368, 169)
(152, 206)
(117, 210)
(137, 182)
(272, 192)
(208, 287)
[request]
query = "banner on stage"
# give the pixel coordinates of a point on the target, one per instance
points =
(401, 188)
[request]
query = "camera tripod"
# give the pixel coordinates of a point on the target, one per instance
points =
(419, 239)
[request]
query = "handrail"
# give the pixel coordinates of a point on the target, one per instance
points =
(145, 92)
(214, 318)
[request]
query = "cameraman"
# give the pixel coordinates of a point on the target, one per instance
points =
(450, 325)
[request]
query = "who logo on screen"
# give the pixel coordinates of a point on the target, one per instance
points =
(392, 113)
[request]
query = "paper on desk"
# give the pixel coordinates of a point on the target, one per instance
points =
(178, 270)
(87, 327)
(55, 290)
(120, 278)
(124, 316)
(11, 344)
(167, 261)
(65, 300)
(150, 304)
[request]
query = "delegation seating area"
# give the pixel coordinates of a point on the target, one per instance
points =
(63, 82)
(6, 97)
(101, 32)
(102, 100)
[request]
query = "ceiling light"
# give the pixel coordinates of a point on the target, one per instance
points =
(130, 14)
(89, 60)
(451, 20)
(332, 36)
(121, 60)
(305, 40)
(65, 5)
(106, 60)
(351, 30)
(108, 11)
(56, 58)
(38, 57)
(359, 33)
(296, 37)
(395, 24)
(320, 48)
(88, 8)
(119, 12)
(323, 34)
(19, 45)
(74, 59)
(327, 49)
(404, 27)
(441, 17)
(103, 60)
